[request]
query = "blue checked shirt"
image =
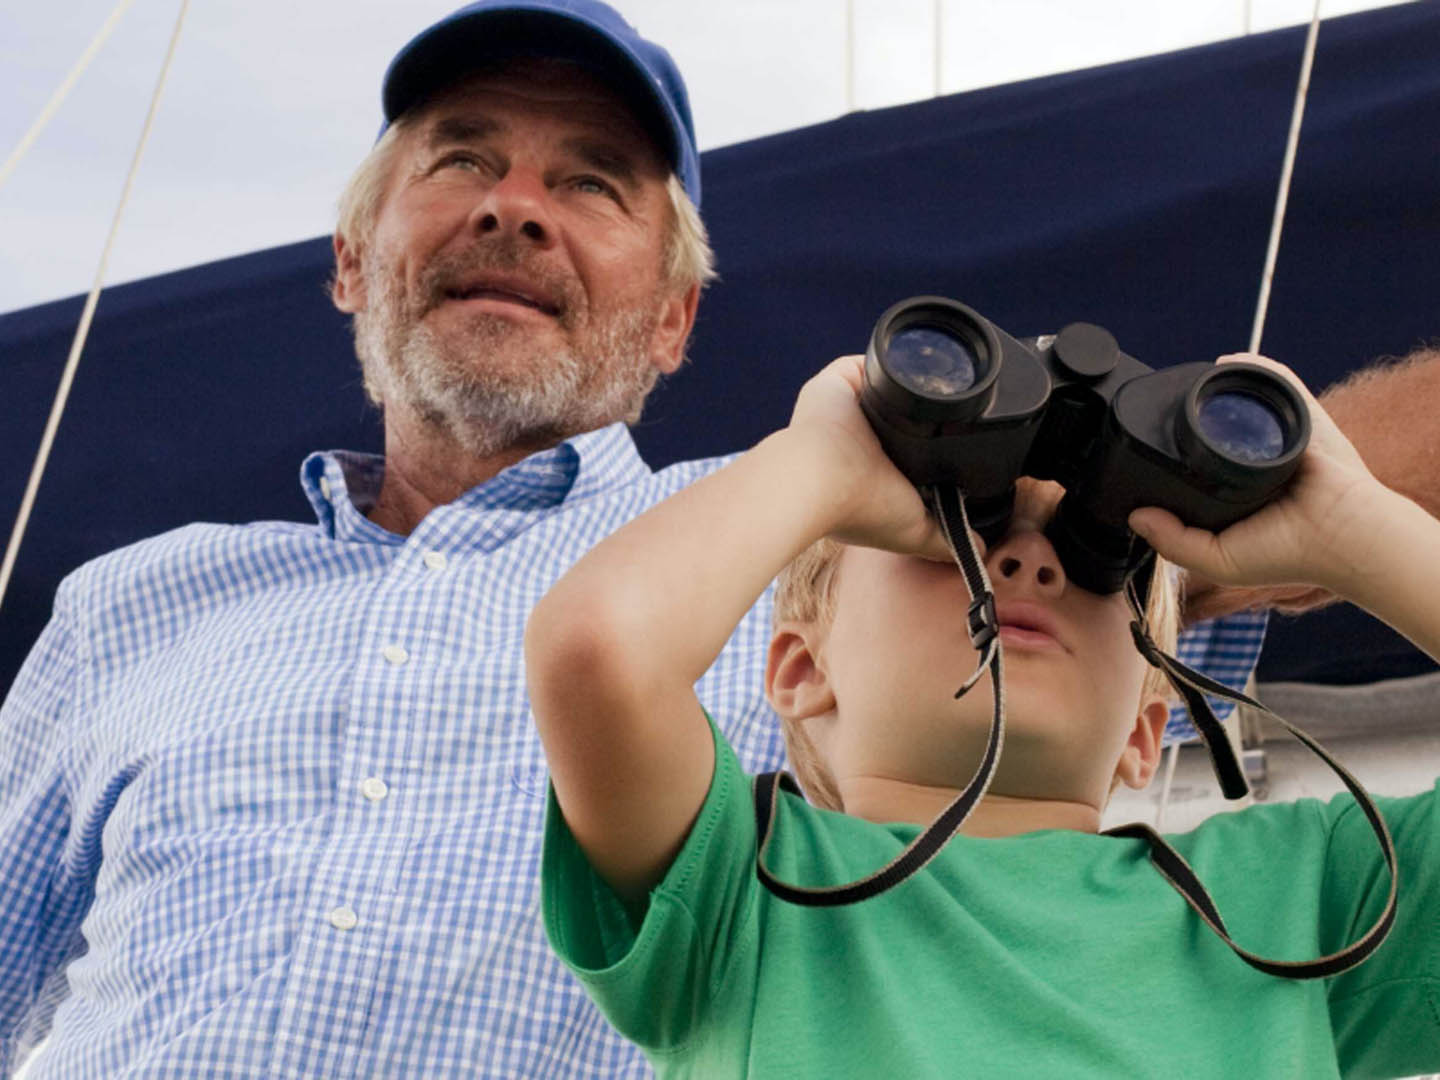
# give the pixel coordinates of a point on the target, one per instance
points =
(271, 797)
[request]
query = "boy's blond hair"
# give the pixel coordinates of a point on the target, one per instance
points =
(805, 593)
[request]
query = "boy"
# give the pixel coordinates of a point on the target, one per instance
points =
(1030, 945)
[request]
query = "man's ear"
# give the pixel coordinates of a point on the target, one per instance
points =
(1141, 756)
(347, 291)
(795, 684)
(677, 316)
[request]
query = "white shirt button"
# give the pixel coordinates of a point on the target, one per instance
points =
(436, 560)
(374, 789)
(344, 917)
(395, 654)
(325, 486)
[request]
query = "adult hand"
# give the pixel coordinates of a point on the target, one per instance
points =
(1320, 531)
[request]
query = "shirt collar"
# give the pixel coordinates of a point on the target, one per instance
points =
(608, 459)
(342, 485)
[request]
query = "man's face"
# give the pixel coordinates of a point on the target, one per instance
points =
(512, 292)
(898, 648)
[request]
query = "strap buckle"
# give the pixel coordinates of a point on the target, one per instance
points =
(984, 624)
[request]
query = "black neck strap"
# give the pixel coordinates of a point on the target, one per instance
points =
(1193, 686)
(1190, 684)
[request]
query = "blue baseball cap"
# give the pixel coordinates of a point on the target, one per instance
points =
(587, 32)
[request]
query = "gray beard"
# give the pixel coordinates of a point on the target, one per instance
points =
(539, 396)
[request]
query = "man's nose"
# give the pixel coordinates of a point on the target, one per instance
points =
(1026, 560)
(519, 204)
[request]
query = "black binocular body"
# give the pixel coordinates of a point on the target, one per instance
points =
(955, 400)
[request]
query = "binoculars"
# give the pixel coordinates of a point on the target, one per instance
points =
(955, 400)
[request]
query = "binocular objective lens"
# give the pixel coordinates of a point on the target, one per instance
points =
(1242, 425)
(930, 361)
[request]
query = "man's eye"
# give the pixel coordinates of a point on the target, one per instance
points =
(459, 159)
(593, 185)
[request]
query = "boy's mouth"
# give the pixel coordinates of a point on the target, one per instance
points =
(1029, 625)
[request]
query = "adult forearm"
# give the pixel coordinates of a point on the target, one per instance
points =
(1389, 412)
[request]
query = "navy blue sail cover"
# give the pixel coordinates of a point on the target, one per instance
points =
(1136, 195)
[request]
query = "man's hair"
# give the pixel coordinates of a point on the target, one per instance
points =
(688, 259)
(805, 593)
(359, 206)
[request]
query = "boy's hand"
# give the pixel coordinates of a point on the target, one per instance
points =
(881, 508)
(1322, 530)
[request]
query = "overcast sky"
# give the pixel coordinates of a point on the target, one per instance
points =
(270, 104)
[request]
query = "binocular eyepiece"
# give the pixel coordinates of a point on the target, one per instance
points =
(955, 400)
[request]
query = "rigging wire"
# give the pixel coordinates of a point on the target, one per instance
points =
(849, 56)
(67, 378)
(57, 99)
(1262, 303)
(1282, 193)
(938, 28)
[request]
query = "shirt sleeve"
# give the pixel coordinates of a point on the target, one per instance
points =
(45, 889)
(1386, 1012)
(653, 984)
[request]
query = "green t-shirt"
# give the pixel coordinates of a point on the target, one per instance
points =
(1052, 954)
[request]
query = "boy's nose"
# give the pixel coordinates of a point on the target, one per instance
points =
(1027, 560)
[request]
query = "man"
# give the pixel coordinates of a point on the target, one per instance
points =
(270, 797)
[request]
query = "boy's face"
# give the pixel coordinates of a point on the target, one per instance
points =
(898, 648)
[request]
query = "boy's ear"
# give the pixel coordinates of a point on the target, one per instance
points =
(1141, 756)
(795, 684)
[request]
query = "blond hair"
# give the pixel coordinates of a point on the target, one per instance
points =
(359, 206)
(805, 593)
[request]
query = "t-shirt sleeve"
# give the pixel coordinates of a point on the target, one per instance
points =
(654, 983)
(1386, 1013)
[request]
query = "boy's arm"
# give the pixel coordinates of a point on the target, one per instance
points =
(1386, 411)
(1398, 578)
(614, 649)
(1336, 527)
